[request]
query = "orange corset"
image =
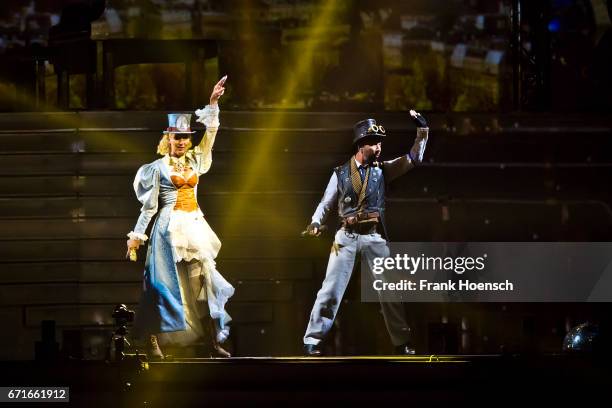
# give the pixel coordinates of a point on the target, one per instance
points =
(185, 199)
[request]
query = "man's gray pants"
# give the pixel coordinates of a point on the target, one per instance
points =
(347, 246)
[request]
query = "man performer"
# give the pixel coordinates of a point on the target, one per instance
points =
(358, 188)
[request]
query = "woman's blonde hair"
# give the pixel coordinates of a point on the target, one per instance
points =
(163, 147)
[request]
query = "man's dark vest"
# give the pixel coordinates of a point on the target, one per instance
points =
(348, 199)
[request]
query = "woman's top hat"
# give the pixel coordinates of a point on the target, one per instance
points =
(367, 129)
(179, 123)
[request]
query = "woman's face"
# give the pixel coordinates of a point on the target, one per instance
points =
(179, 144)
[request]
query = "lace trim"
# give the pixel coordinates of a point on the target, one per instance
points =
(136, 235)
(209, 116)
(186, 254)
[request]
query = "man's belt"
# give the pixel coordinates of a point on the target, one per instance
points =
(363, 217)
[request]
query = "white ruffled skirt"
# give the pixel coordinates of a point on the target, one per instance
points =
(195, 247)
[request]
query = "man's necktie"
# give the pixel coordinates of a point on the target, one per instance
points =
(362, 172)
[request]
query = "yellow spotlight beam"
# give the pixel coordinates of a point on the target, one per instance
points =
(116, 141)
(258, 158)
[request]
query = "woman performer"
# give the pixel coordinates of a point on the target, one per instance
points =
(184, 295)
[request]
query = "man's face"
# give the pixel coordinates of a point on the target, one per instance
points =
(371, 150)
(179, 143)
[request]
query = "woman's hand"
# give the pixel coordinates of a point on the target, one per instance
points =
(132, 245)
(218, 90)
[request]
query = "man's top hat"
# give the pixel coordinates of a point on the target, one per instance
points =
(179, 123)
(367, 129)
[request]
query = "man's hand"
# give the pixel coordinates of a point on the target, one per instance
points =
(313, 230)
(218, 90)
(418, 119)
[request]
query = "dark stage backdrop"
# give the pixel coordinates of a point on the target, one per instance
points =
(349, 55)
(66, 203)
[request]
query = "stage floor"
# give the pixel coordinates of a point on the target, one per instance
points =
(499, 380)
(433, 358)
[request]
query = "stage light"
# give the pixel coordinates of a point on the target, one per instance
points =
(554, 26)
(584, 338)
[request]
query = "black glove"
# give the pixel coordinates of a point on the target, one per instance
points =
(312, 226)
(418, 119)
(309, 231)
